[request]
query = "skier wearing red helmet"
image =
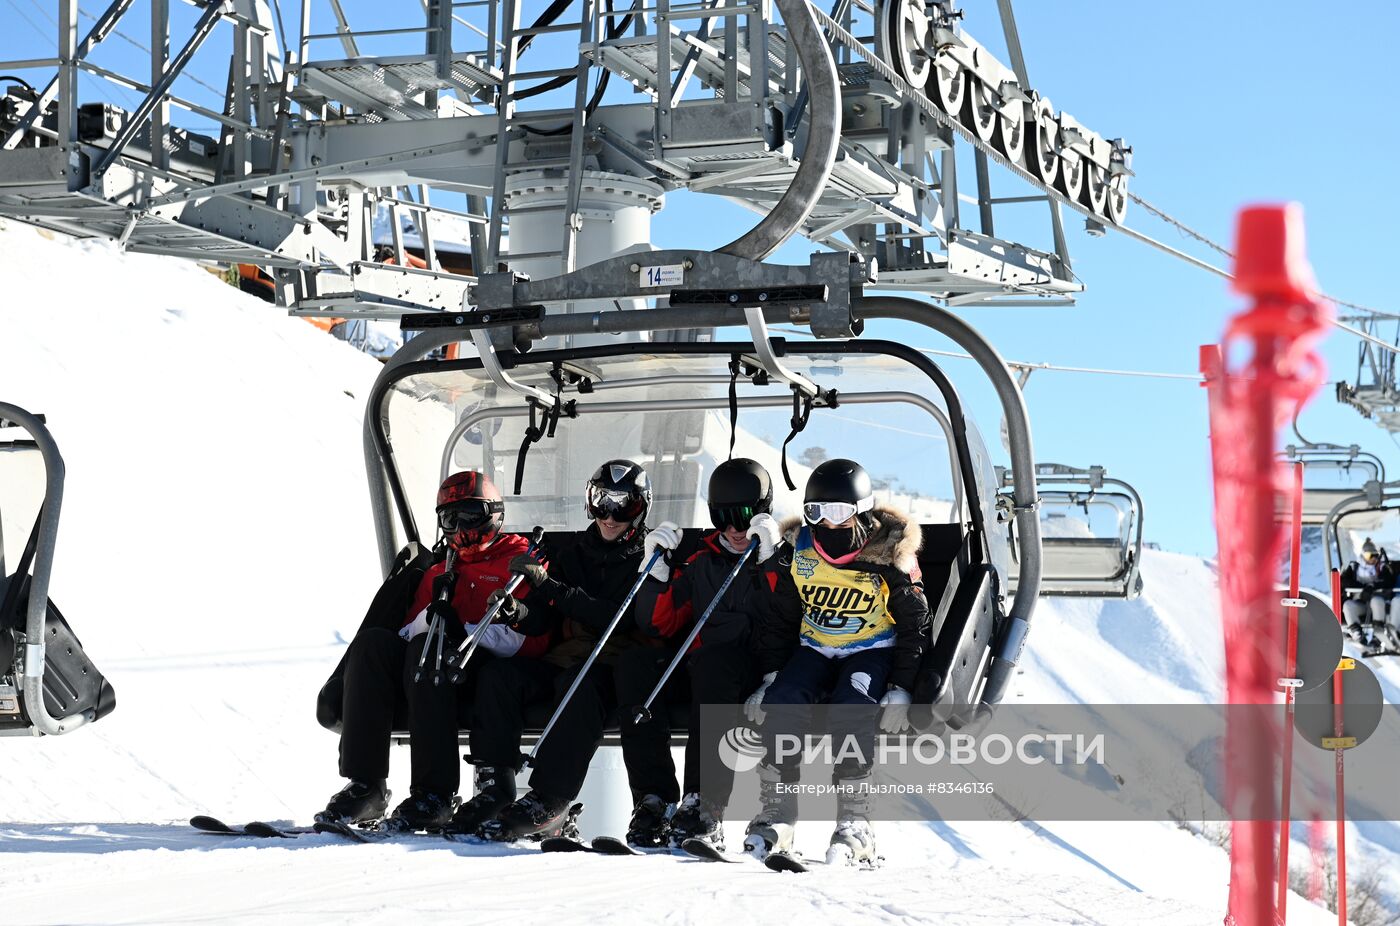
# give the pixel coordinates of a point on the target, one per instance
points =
(381, 663)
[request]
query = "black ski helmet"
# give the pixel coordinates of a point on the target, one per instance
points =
(840, 481)
(619, 489)
(739, 489)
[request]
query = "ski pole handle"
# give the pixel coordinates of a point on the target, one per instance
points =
(593, 656)
(643, 714)
(435, 628)
(473, 640)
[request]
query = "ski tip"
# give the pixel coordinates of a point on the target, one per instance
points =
(210, 824)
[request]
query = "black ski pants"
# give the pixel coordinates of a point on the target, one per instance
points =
(381, 696)
(711, 674)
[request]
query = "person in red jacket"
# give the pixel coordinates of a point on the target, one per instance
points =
(380, 665)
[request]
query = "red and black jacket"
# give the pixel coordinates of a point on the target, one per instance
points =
(479, 573)
(668, 609)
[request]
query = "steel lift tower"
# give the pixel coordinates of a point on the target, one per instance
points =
(837, 124)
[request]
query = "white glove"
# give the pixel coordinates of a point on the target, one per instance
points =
(667, 536)
(895, 716)
(419, 625)
(753, 707)
(765, 528)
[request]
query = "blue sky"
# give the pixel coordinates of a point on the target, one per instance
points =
(1225, 104)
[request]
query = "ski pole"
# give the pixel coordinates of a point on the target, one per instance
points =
(643, 714)
(597, 649)
(473, 640)
(435, 628)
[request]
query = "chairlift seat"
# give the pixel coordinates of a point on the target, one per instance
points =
(72, 684)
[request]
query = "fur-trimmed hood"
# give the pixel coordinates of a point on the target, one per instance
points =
(894, 542)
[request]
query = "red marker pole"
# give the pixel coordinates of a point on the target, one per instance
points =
(1337, 730)
(1247, 406)
(1290, 688)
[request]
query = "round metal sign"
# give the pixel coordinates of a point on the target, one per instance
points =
(1362, 703)
(1319, 640)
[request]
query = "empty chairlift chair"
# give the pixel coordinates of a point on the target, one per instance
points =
(1090, 532)
(47, 683)
(1331, 475)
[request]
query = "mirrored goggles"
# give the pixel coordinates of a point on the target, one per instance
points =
(725, 516)
(613, 505)
(835, 512)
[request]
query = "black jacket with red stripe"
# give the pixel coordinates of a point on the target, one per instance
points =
(669, 609)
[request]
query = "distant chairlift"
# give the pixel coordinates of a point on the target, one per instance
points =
(38, 651)
(1332, 474)
(1091, 537)
(1373, 513)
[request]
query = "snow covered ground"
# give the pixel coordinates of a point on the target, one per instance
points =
(214, 556)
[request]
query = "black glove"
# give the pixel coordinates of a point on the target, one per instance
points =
(512, 612)
(443, 611)
(443, 584)
(527, 566)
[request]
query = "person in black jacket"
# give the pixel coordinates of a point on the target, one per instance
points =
(575, 599)
(720, 669)
(848, 590)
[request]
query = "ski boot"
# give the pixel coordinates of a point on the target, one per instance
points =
(495, 788)
(423, 811)
(534, 816)
(356, 804)
(853, 841)
(697, 818)
(649, 828)
(772, 829)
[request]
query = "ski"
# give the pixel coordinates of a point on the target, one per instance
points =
(615, 846)
(783, 861)
(257, 828)
(364, 834)
(564, 844)
(705, 851)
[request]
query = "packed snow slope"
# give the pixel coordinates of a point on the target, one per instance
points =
(214, 556)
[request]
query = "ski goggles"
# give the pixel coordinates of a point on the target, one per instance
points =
(1371, 557)
(613, 505)
(469, 514)
(726, 516)
(835, 512)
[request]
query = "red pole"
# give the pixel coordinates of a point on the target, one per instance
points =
(1247, 406)
(1290, 689)
(1338, 730)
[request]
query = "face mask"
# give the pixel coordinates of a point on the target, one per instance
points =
(836, 541)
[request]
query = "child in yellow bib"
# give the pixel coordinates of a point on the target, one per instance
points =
(848, 589)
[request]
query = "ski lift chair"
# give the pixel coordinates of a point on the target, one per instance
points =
(1331, 475)
(1077, 562)
(47, 683)
(1365, 513)
(530, 422)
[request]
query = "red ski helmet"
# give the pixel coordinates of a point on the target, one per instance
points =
(470, 509)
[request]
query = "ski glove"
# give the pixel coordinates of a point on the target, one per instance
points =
(512, 612)
(527, 566)
(443, 584)
(753, 706)
(895, 716)
(765, 528)
(667, 536)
